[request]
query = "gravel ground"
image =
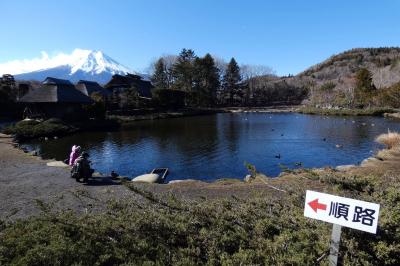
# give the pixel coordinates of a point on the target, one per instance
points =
(26, 181)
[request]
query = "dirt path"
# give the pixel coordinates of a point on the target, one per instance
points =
(26, 181)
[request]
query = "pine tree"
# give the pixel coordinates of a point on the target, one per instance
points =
(183, 70)
(364, 81)
(206, 80)
(231, 79)
(364, 88)
(160, 78)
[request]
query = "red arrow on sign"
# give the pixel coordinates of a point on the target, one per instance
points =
(315, 205)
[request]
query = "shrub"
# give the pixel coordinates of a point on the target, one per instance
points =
(390, 140)
(98, 108)
(256, 231)
(328, 86)
(389, 96)
(28, 129)
(251, 168)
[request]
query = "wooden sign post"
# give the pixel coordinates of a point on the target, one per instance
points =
(335, 243)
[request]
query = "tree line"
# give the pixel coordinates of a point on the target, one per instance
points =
(209, 81)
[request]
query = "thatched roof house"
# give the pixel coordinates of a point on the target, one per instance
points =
(56, 91)
(118, 83)
(89, 87)
(56, 98)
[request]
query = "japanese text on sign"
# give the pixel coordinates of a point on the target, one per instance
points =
(347, 212)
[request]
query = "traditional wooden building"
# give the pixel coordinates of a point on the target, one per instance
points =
(56, 98)
(90, 87)
(119, 83)
(130, 91)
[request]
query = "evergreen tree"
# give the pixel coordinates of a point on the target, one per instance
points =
(364, 89)
(183, 70)
(206, 80)
(231, 79)
(364, 81)
(160, 78)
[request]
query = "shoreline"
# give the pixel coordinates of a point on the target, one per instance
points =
(116, 122)
(346, 112)
(32, 177)
(203, 111)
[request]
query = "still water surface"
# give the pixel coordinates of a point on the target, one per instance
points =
(216, 146)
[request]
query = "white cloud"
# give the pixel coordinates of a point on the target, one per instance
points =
(43, 62)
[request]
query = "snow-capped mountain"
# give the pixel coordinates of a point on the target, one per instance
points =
(80, 64)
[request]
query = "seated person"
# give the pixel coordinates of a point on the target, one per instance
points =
(81, 168)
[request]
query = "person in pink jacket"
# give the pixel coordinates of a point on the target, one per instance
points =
(76, 151)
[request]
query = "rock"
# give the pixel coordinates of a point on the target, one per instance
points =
(342, 168)
(33, 153)
(181, 181)
(97, 174)
(369, 160)
(248, 178)
(57, 164)
(262, 176)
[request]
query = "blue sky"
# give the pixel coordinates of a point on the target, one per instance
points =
(288, 36)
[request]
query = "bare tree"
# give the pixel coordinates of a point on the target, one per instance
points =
(169, 61)
(249, 74)
(220, 63)
(251, 71)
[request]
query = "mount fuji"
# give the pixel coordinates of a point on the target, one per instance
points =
(80, 64)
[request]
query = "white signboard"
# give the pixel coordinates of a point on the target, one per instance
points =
(347, 212)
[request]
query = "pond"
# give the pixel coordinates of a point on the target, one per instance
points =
(216, 146)
(6, 122)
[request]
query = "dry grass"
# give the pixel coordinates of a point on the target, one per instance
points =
(390, 140)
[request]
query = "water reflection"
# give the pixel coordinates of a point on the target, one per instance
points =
(210, 147)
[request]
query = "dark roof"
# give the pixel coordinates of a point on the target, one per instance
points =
(143, 87)
(56, 91)
(89, 87)
(54, 81)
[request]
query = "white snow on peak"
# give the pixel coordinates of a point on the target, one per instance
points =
(93, 62)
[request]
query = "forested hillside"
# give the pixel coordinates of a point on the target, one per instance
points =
(356, 78)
